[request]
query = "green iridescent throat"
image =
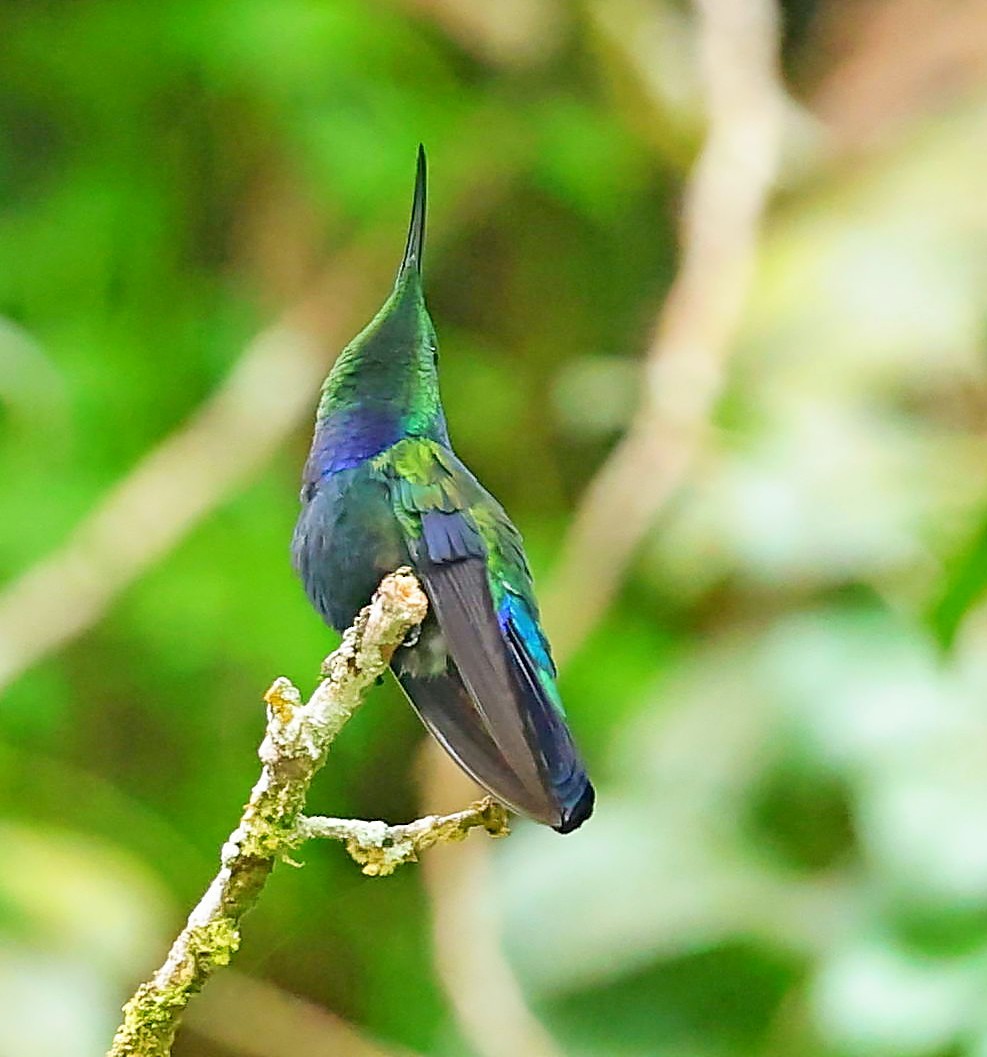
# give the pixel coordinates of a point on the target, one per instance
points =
(389, 369)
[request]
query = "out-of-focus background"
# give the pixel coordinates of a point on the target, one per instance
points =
(750, 241)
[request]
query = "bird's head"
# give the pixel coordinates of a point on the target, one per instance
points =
(389, 370)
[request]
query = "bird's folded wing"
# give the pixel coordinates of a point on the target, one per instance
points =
(460, 596)
(504, 724)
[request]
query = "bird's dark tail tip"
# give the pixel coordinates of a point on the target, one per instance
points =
(573, 817)
(416, 228)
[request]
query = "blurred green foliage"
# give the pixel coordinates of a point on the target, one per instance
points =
(787, 707)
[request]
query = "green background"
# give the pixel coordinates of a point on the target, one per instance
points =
(785, 710)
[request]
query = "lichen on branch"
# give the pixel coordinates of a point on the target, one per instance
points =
(380, 849)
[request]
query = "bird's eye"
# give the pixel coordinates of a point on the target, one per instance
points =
(435, 357)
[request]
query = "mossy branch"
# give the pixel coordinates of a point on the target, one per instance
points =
(297, 740)
(380, 849)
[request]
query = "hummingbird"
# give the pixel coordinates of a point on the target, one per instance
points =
(382, 488)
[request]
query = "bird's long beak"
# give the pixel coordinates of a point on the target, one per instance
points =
(416, 229)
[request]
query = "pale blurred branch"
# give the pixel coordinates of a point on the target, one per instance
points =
(685, 363)
(259, 1019)
(489, 1003)
(724, 204)
(297, 739)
